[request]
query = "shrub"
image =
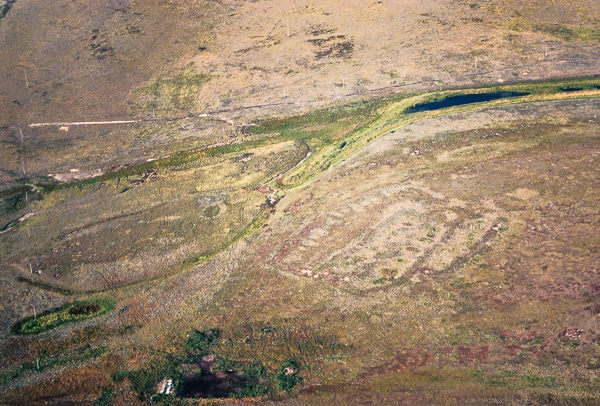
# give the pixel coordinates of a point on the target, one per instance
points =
(255, 382)
(106, 398)
(199, 343)
(144, 380)
(288, 377)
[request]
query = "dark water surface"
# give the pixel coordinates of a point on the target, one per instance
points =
(464, 99)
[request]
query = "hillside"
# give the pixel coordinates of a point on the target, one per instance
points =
(299, 203)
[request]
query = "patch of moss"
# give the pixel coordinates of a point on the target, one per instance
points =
(144, 380)
(569, 34)
(68, 313)
(199, 343)
(106, 398)
(563, 32)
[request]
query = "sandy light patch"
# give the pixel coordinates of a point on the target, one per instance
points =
(524, 194)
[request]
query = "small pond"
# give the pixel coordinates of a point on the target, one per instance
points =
(464, 99)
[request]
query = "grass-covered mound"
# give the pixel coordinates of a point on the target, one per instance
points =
(67, 313)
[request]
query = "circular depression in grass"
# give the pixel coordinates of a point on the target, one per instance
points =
(212, 211)
(67, 313)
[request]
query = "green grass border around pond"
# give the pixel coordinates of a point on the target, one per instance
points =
(67, 313)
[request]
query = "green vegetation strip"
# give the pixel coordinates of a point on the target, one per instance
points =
(68, 313)
(337, 132)
(587, 34)
(384, 115)
(15, 190)
(168, 162)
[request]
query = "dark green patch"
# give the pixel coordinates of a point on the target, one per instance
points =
(254, 382)
(569, 34)
(319, 124)
(15, 199)
(537, 381)
(225, 376)
(287, 377)
(144, 380)
(199, 343)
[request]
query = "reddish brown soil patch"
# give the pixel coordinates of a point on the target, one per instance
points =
(405, 359)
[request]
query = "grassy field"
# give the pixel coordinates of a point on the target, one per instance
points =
(118, 67)
(279, 226)
(445, 260)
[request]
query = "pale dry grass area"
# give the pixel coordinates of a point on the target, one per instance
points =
(119, 233)
(93, 62)
(377, 212)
